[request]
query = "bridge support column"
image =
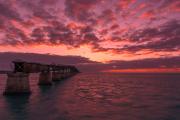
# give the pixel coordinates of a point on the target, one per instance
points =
(45, 78)
(67, 73)
(17, 83)
(57, 76)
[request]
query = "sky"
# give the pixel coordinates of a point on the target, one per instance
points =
(105, 35)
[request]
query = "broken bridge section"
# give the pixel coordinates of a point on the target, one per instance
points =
(18, 80)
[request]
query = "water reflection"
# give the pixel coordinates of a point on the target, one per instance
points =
(17, 106)
(98, 97)
(44, 89)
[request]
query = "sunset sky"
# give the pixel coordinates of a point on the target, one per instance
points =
(111, 35)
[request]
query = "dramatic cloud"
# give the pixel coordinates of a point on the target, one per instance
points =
(107, 16)
(123, 28)
(80, 9)
(8, 12)
(164, 38)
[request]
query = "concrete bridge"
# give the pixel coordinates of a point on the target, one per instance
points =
(18, 79)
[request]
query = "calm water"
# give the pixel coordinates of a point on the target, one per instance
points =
(97, 97)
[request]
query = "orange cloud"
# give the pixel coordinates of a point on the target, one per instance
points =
(125, 3)
(147, 15)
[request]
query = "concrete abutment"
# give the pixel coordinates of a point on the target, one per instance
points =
(17, 83)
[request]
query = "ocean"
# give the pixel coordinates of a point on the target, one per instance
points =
(97, 96)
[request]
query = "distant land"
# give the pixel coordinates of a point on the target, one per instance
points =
(153, 65)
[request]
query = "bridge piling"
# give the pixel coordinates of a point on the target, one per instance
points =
(45, 78)
(18, 79)
(17, 83)
(56, 76)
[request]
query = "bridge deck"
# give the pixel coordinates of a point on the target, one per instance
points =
(27, 67)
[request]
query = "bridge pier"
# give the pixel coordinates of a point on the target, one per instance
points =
(60, 75)
(67, 73)
(56, 76)
(45, 78)
(18, 80)
(17, 83)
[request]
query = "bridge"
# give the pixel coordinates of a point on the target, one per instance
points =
(18, 79)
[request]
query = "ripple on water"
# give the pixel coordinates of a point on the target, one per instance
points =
(99, 97)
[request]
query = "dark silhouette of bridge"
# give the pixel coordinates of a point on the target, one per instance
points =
(18, 79)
